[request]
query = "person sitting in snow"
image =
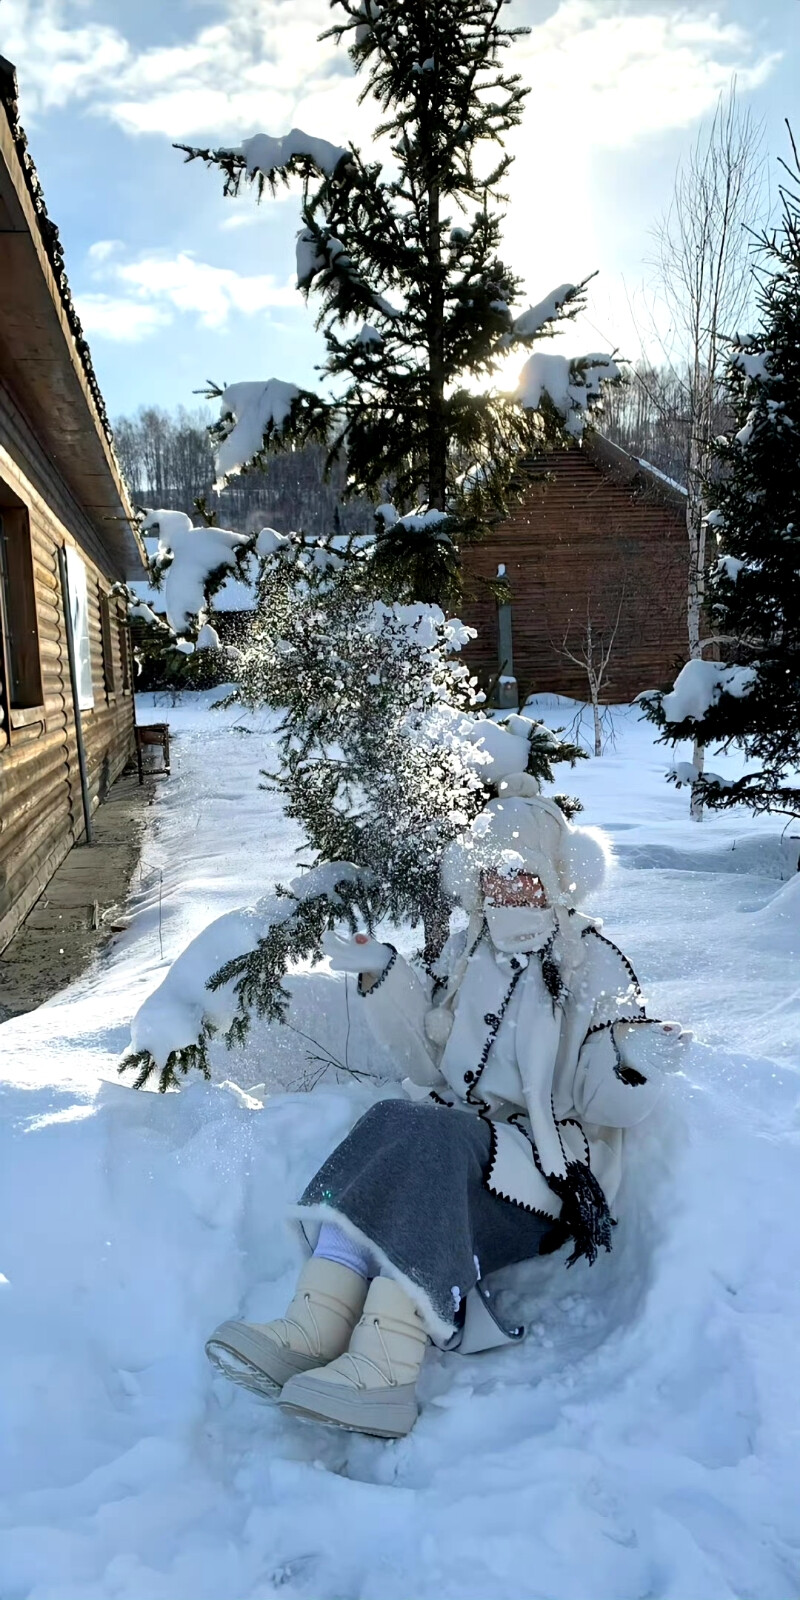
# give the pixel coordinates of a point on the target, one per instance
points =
(528, 1053)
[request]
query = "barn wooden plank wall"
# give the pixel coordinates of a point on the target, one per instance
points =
(581, 537)
(41, 814)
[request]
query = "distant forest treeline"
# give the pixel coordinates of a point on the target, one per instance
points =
(168, 461)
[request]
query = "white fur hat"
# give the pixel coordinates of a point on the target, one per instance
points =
(522, 831)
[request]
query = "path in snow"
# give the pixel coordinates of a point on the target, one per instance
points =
(642, 1444)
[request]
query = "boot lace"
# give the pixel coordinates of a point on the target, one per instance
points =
(283, 1324)
(355, 1357)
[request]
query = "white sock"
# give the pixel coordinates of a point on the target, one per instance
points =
(334, 1244)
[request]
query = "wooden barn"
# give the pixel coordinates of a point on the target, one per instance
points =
(595, 554)
(67, 534)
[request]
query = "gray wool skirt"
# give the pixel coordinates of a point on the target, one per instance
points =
(409, 1182)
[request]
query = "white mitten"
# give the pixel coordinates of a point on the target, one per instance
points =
(647, 1046)
(361, 954)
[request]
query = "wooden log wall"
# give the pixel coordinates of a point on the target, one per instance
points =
(41, 813)
(580, 541)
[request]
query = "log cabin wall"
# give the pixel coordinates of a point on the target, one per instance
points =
(41, 813)
(593, 535)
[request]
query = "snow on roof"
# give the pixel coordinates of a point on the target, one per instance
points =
(657, 473)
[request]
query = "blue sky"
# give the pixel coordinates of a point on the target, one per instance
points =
(176, 284)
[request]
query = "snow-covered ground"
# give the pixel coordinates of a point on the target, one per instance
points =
(642, 1445)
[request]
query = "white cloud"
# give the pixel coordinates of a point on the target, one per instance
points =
(125, 321)
(609, 77)
(60, 56)
(605, 74)
(603, 71)
(147, 293)
(102, 249)
(211, 292)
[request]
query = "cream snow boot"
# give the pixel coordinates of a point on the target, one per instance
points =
(262, 1356)
(372, 1388)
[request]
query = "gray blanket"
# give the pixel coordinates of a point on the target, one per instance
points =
(409, 1179)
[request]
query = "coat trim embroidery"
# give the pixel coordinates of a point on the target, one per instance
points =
(381, 978)
(508, 1199)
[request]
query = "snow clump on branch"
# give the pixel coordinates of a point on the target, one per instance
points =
(188, 558)
(699, 685)
(263, 153)
(531, 322)
(572, 385)
(250, 413)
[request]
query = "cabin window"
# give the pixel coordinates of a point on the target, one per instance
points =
(79, 611)
(19, 631)
(123, 655)
(105, 634)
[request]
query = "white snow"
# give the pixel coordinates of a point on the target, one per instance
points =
(573, 384)
(140, 611)
(368, 12)
(731, 566)
(420, 519)
(753, 363)
(263, 153)
(196, 553)
(531, 322)
(173, 1014)
(665, 478)
(309, 258)
(641, 1442)
(699, 685)
(207, 638)
(252, 410)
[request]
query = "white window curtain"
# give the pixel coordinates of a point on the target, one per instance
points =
(79, 609)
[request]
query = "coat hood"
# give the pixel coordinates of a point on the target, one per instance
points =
(522, 831)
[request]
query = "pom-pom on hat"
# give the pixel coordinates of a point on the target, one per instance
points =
(522, 831)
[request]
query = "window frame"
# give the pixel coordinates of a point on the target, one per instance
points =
(124, 638)
(23, 706)
(106, 642)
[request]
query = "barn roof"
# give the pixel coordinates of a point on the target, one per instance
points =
(617, 465)
(623, 467)
(45, 354)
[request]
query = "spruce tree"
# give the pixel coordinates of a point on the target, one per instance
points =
(415, 303)
(750, 698)
(379, 722)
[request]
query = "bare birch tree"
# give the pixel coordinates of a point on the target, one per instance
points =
(592, 652)
(703, 272)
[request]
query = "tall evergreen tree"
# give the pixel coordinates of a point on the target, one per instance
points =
(380, 725)
(413, 250)
(751, 698)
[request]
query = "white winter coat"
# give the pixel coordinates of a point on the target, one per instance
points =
(573, 1072)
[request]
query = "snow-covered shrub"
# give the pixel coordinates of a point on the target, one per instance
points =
(383, 756)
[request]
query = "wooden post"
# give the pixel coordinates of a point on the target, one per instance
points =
(507, 694)
(76, 710)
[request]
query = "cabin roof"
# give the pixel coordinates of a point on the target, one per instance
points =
(616, 464)
(45, 354)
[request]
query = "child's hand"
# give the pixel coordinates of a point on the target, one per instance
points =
(361, 954)
(676, 1034)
